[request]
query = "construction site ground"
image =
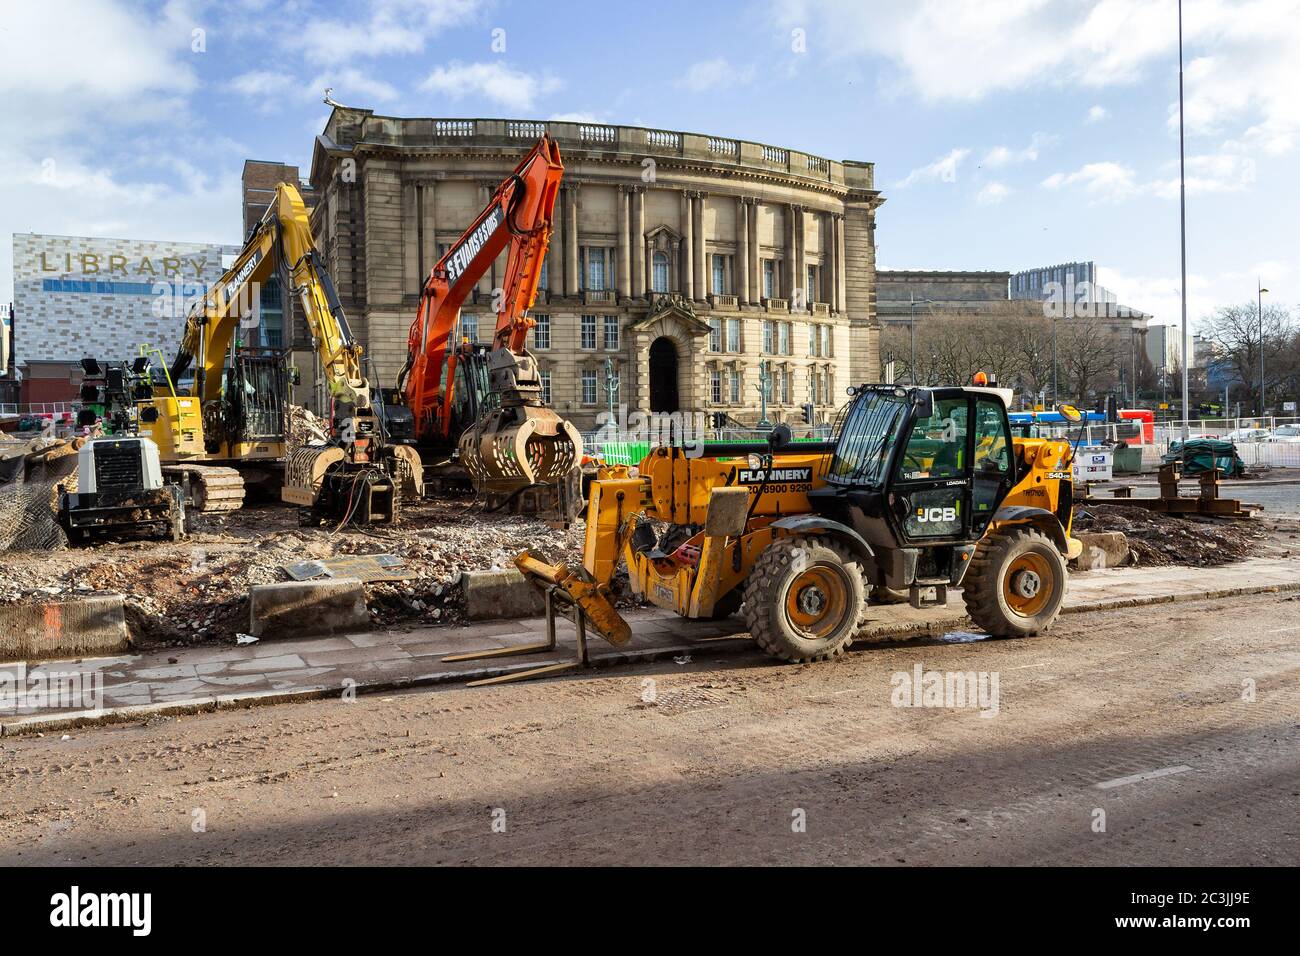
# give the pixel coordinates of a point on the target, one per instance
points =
(1126, 736)
(194, 592)
(170, 682)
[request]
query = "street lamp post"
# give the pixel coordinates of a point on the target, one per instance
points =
(1259, 305)
(611, 387)
(1182, 224)
(911, 325)
(764, 379)
(1136, 326)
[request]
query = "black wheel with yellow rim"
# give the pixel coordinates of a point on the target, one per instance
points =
(804, 599)
(1016, 582)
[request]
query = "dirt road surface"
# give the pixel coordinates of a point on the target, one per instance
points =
(1168, 734)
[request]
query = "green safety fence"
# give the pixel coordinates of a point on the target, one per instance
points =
(634, 452)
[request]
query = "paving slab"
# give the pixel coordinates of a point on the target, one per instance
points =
(137, 686)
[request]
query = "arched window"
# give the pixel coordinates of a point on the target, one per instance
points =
(659, 280)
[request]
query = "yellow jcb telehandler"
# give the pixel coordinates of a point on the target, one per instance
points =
(922, 489)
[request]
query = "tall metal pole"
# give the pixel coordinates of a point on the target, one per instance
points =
(1133, 349)
(1259, 305)
(1055, 397)
(1182, 224)
(912, 327)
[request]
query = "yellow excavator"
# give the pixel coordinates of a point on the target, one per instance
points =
(223, 413)
(922, 490)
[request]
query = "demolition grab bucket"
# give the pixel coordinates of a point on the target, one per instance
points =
(517, 448)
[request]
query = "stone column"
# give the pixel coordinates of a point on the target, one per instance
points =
(742, 250)
(486, 284)
(788, 279)
(623, 264)
(409, 234)
(841, 265)
(801, 255)
(571, 240)
(755, 273)
(830, 276)
(701, 277)
(688, 247)
(639, 284)
(555, 252)
(429, 226)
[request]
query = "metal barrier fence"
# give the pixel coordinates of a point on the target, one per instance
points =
(39, 409)
(632, 452)
(1261, 442)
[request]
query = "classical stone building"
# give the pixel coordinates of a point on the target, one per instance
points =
(680, 261)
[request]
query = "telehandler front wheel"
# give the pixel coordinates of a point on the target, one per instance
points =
(804, 599)
(1016, 582)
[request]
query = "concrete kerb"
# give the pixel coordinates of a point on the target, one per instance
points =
(723, 645)
(109, 715)
(307, 608)
(85, 626)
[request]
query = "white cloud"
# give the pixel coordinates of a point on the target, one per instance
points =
(92, 48)
(1097, 114)
(392, 27)
(1241, 74)
(959, 51)
(1005, 156)
(577, 116)
(96, 108)
(992, 194)
(1159, 295)
(1103, 182)
(717, 73)
(495, 81)
(261, 83)
(1116, 182)
(943, 169)
(349, 82)
(1215, 173)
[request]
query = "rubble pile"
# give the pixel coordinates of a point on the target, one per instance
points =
(303, 427)
(196, 590)
(1162, 539)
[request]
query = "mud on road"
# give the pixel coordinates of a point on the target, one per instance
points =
(717, 762)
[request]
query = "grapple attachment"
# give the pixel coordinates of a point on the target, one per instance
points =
(519, 447)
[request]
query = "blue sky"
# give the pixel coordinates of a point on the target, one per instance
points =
(1006, 133)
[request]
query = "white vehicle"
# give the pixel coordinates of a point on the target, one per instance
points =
(1286, 433)
(1247, 435)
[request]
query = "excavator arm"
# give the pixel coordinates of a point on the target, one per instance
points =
(357, 473)
(517, 218)
(520, 444)
(279, 246)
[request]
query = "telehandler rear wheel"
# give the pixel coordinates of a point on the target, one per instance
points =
(1016, 582)
(804, 599)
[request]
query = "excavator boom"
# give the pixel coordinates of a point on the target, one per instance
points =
(229, 398)
(520, 443)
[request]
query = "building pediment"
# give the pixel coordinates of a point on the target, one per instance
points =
(669, 308)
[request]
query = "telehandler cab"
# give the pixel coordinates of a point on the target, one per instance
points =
(923, 489)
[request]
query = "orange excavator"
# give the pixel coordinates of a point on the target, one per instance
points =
(487, 400)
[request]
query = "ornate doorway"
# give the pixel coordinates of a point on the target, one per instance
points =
(663, 375)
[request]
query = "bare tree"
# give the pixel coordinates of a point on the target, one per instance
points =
(1235, 336)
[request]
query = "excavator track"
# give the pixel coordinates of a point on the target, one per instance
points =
(212, 488)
